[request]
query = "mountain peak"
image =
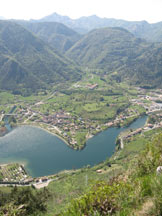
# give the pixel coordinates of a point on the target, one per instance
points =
(85, 24)
(55, 17)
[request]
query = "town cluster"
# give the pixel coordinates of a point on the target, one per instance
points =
(60, 123)
(69, 126)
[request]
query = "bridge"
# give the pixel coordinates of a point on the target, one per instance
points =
(3, 115)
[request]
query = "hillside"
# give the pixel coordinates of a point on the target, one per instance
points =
(135, 191)
(117, 52)
(55, 34)
(28, 62)
(143, 29)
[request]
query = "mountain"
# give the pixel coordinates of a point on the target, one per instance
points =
(56, 18)
(118, 52)
(151, 32)
(28, 62)
(57, 35)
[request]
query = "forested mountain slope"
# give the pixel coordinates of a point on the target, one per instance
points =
(55, 34)
(119, 52)
(28, 62)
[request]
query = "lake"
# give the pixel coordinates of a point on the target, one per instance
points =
(46, 154)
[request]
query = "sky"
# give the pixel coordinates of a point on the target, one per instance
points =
(133, 10)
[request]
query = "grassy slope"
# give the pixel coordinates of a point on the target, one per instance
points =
(136, 191)
(76, 183)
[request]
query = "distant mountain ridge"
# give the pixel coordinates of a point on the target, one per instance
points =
(150, 32)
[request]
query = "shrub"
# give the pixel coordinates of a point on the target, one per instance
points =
(157, 192)
(151, 158)
(102, 199)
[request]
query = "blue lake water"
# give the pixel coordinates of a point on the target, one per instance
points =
(45, 154)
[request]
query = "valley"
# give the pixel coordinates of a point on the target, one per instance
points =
(79, 114)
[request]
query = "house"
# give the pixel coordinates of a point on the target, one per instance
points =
(99, 171)
(92, 86)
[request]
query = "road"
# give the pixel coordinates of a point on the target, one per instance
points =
(36, 185)
(121, 143)
(29, 117)
(1, 117)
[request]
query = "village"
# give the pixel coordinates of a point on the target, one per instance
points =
(151, 102)
(60, 123)
(69, 126)
(153, 106)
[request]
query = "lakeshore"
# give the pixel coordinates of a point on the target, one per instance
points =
(47, 154)
(47, 130)
(61, 128)
(89, 136)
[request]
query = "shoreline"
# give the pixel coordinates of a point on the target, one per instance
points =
(60, 137)
(88, 136)
(63, 139)
(54, 134)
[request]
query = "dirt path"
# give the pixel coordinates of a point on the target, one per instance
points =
(144, 211)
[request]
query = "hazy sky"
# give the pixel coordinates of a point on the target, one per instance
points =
(150, 10)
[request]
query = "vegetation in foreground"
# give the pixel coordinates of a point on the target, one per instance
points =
(128, 193)
(23, 201)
